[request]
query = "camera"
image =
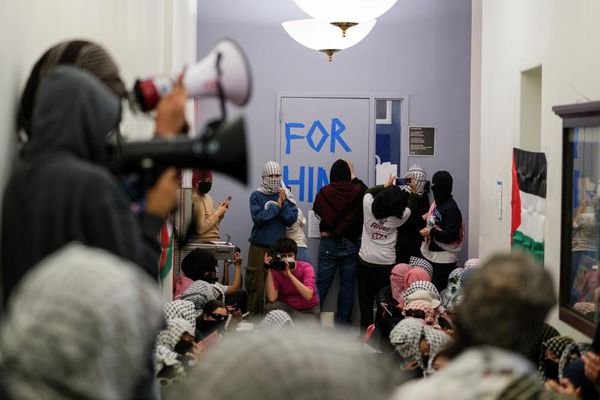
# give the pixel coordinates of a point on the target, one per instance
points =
(278, 263)
(402, 181)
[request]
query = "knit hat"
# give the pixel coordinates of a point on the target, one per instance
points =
(340, 172)
(198, 262)
(506, 283)
(79, 53)
(299, 364)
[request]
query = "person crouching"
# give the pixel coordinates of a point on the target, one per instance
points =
(290, 283)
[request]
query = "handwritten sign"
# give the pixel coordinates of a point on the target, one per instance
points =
(309, 179)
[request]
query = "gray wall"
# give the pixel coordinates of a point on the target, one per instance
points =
(420, 48)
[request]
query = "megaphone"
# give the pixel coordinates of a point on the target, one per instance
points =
(223, 73)
(222, 147)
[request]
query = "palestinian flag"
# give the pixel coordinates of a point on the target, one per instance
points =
(166, 260)
(528, 202)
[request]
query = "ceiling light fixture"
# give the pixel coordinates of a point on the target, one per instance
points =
(345, 14)
(324, 37)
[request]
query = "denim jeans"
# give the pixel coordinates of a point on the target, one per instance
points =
(342, 253)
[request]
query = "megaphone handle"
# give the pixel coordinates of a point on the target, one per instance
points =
(220, 90)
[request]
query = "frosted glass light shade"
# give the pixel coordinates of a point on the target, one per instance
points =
(345, 10)
(320, 35)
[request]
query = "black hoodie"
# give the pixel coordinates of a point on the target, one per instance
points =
(60, 191)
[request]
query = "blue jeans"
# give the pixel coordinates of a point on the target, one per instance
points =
(342, 253)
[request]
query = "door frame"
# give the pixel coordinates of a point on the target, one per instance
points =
(371, 96)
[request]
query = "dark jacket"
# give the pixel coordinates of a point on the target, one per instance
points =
(449, 219)
(60, 191)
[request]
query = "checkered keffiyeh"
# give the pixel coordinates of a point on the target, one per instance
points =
(181, 309)
(398, 279)
(455, 275)
(452, 295)
(566, 359)
(171, 335)
(437, 341)
(70, 317)
(300, 363)
(422, 285)
(199, 293)
(417, 174)
(276, 319)
(164, 354)
(405, 338)
(423, 263)
(270, 186)
(556, 345)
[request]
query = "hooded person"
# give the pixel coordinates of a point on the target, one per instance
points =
(408, 240)
(444, 233)
(339, 207)
(272, 213)
(492, 340)
(71, 331)
(206, 218)
(61, 189)
(299, 363)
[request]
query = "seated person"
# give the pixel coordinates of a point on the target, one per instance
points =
(213, 318)
(202, 265)
(293, 289)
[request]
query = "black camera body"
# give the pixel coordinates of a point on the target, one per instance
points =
(278, 263)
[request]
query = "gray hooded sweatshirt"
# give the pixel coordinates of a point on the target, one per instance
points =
(60, 191)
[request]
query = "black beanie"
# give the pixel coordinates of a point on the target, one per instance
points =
(197, 263)
(340, 172)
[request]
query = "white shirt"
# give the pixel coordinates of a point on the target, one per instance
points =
(378, 244)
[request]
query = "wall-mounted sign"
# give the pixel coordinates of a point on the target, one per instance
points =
(421, 141)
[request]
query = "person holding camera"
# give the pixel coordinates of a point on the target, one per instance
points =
(272, 212)
(290, 283)
(61, 189)
(377, 254)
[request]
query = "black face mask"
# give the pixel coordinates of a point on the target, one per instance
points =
(550, 369)
(204, 187)
(183, 347)
(208, 327)
(210, 277)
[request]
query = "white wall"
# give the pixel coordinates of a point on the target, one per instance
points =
(517, 35)
(144, 36)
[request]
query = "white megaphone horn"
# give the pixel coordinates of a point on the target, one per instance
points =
(223, 73)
